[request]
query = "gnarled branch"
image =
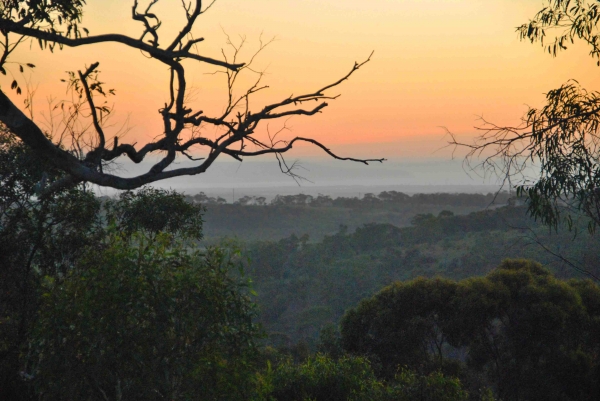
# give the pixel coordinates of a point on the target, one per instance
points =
(237, 126)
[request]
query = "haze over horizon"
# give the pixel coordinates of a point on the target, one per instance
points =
(323, 176)
(436, 63)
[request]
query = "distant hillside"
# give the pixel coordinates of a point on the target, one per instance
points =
(303, 286)
(251, 218)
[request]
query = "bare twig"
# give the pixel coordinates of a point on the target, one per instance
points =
(237, 126)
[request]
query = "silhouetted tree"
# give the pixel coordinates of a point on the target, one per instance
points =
(560, 140)
(57, 24)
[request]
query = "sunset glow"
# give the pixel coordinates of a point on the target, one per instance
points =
(435, 63)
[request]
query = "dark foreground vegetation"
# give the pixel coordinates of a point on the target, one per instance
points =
(121, 300)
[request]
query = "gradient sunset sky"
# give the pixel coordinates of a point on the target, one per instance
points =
(436, 63)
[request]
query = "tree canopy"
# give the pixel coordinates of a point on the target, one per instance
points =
(149, 322)
(527, 334)
(56, 24)
(113, 299)
(558, 141)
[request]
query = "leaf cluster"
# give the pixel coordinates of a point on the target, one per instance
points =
(564, 141)
(558, 142)
(571, 19)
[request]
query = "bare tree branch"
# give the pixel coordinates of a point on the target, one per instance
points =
(155, 52)
(560, 143)
(237, 126)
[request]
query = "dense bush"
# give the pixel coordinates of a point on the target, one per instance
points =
(322, 378)
(526, 333)
(113, 299)
(144, 319)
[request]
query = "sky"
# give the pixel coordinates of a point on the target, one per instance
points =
(436, 63)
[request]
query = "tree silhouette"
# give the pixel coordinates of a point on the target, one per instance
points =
(560, 141)
(56, 24)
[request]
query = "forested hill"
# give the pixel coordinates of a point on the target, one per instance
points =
(302, 286)
(319, 216)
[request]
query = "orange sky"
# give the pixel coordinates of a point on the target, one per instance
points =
(436, 63)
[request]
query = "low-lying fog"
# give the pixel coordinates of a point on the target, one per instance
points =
(232, 179)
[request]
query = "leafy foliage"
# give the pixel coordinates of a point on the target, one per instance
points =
(147, 322)
(153, 211)
(114, 299)
(40, 12)
(407, 330)
(433, 387)
(38, 236)
(560, 140)
(570, 120)
(322, 378)
(529, 334)
(573, 19)
(56, 16)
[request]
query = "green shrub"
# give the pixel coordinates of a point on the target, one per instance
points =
(321, 378)
(145, 319)
(349, 378)
(409, 386)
